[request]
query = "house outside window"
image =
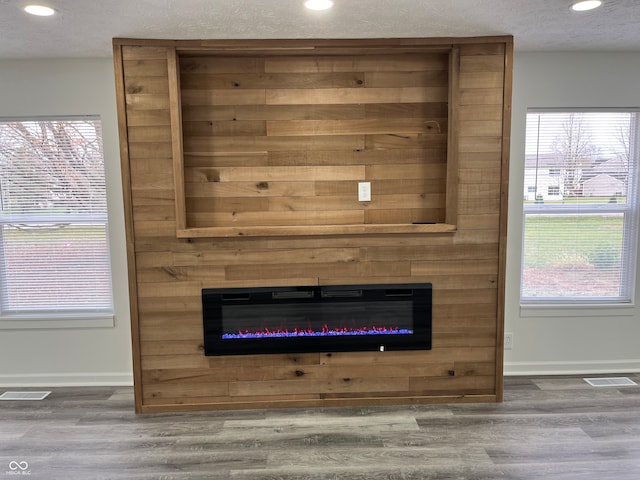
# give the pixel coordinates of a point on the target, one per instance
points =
(580, 238)
(54, 250)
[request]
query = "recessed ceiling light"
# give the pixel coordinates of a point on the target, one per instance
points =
(584, 5)
(318, 4)
(40, 10)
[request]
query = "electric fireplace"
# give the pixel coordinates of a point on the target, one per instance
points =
(335, 318)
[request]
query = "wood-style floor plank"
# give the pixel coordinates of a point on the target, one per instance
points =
(556, 428)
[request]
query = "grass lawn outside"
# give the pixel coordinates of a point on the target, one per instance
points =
(572, 255)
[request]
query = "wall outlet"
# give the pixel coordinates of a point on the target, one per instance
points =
(508, 341)
(364, 191)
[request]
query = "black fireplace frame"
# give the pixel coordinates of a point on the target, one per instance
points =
(213, 300)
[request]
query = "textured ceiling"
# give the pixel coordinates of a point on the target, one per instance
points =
(84, 28)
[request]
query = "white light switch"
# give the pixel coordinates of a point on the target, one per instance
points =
(364, 191)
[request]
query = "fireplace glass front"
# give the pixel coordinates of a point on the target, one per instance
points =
(317, 319)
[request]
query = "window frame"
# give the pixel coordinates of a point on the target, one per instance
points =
(587, 306)
(65, 317)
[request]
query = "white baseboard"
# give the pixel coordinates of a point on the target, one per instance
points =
(571, 368)
(67, 380)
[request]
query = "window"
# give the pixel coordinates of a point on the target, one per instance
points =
(579, 242)
(54, 253)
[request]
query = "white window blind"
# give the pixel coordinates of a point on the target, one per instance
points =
(580, 207)
(54, 252)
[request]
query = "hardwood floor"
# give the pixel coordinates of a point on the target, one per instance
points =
(552, 428)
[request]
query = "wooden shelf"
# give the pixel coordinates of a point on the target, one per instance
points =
(313, 230)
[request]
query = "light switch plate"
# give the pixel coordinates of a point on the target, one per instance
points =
(364, 191)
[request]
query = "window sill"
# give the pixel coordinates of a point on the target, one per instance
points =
(582, 310)
(35, 322)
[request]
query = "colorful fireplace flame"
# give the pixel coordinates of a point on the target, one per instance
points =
(309, 332)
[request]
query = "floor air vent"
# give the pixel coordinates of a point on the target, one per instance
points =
(24, 395)
(610, 382)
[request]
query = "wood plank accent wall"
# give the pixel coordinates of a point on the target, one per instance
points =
(240, 168)
(283, 140)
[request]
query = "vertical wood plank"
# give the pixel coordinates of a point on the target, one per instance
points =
(173, 67)
(129, 227)
(504, 201)
(453, 138)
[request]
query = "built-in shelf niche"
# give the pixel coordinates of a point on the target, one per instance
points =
(272, 139)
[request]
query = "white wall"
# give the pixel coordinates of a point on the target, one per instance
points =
(588, 341)
(71, 356)
(560, 341)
